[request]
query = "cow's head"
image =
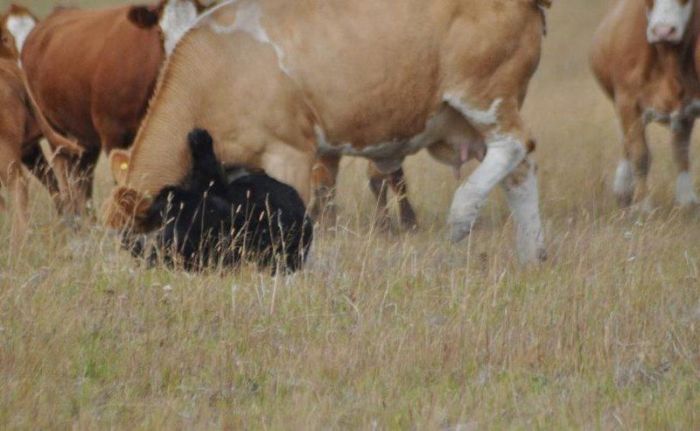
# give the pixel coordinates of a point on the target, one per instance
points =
(172, 17)
(668, 20)
(15, 25)
(126, 208)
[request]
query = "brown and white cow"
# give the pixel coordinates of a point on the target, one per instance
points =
(94, 71)
(278, 81)
(644, 56)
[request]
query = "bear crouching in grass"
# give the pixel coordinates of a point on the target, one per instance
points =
(209, 222)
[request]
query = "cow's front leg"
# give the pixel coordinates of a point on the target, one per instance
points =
(685, 191)
(290, 165)
(630, 185)
(324, 178)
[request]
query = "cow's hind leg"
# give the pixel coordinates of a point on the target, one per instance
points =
(12, 176)
(685, 191)
(35, 161)
(324, 178)
(506, 143)
(523, 198)
(82, 181)
(630, 185)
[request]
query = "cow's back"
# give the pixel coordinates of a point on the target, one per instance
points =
(375, 70)
(74, 58)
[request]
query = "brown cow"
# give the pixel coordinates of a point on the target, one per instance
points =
(93, 72)
(276, 82)
(644, 57)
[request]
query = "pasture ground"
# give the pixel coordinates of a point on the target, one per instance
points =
(383, 331)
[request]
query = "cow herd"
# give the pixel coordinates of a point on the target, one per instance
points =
(223, 122)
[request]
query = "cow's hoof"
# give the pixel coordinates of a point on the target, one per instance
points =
(459, 231)
(408, 220)
(643, 207)
(624, 200)
(687, 200)
(541, 255)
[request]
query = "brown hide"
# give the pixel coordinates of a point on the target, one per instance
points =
(93, 72)
(19, 145)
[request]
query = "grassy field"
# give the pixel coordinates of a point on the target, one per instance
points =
(383, 331)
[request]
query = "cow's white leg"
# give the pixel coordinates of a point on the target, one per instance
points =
(523, 198)
(504, 153)
(631, 177)
(623, 185)
(685, 191)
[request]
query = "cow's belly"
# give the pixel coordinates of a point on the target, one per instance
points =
(446, 129)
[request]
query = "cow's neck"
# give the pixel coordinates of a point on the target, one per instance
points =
(160, 155)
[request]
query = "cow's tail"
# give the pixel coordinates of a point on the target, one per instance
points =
(57, 141)
(542, 5)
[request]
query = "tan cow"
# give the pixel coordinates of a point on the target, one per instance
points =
(94, 71)
(277, 81)
(644, 57)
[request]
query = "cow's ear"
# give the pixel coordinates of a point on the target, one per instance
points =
(144, 16)
(119, 164)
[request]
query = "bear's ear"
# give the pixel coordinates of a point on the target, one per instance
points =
(144, 17)
(119, 165)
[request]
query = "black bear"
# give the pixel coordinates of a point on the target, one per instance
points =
(208, 221)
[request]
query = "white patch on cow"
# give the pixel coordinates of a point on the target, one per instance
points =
(20, 26)
(476, 116)
(177, 18)
(504, 154)
(685, 191)
(249, 21)
(692, 109)
(524, 202)
(389, 155)
(668, 14)
(623, 186)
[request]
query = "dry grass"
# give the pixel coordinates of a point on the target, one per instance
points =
(381, 331)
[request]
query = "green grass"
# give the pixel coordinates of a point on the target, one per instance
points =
(387, 331)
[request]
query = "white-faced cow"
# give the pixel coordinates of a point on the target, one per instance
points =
(276, 82)
(644, 55)
(93, 72)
